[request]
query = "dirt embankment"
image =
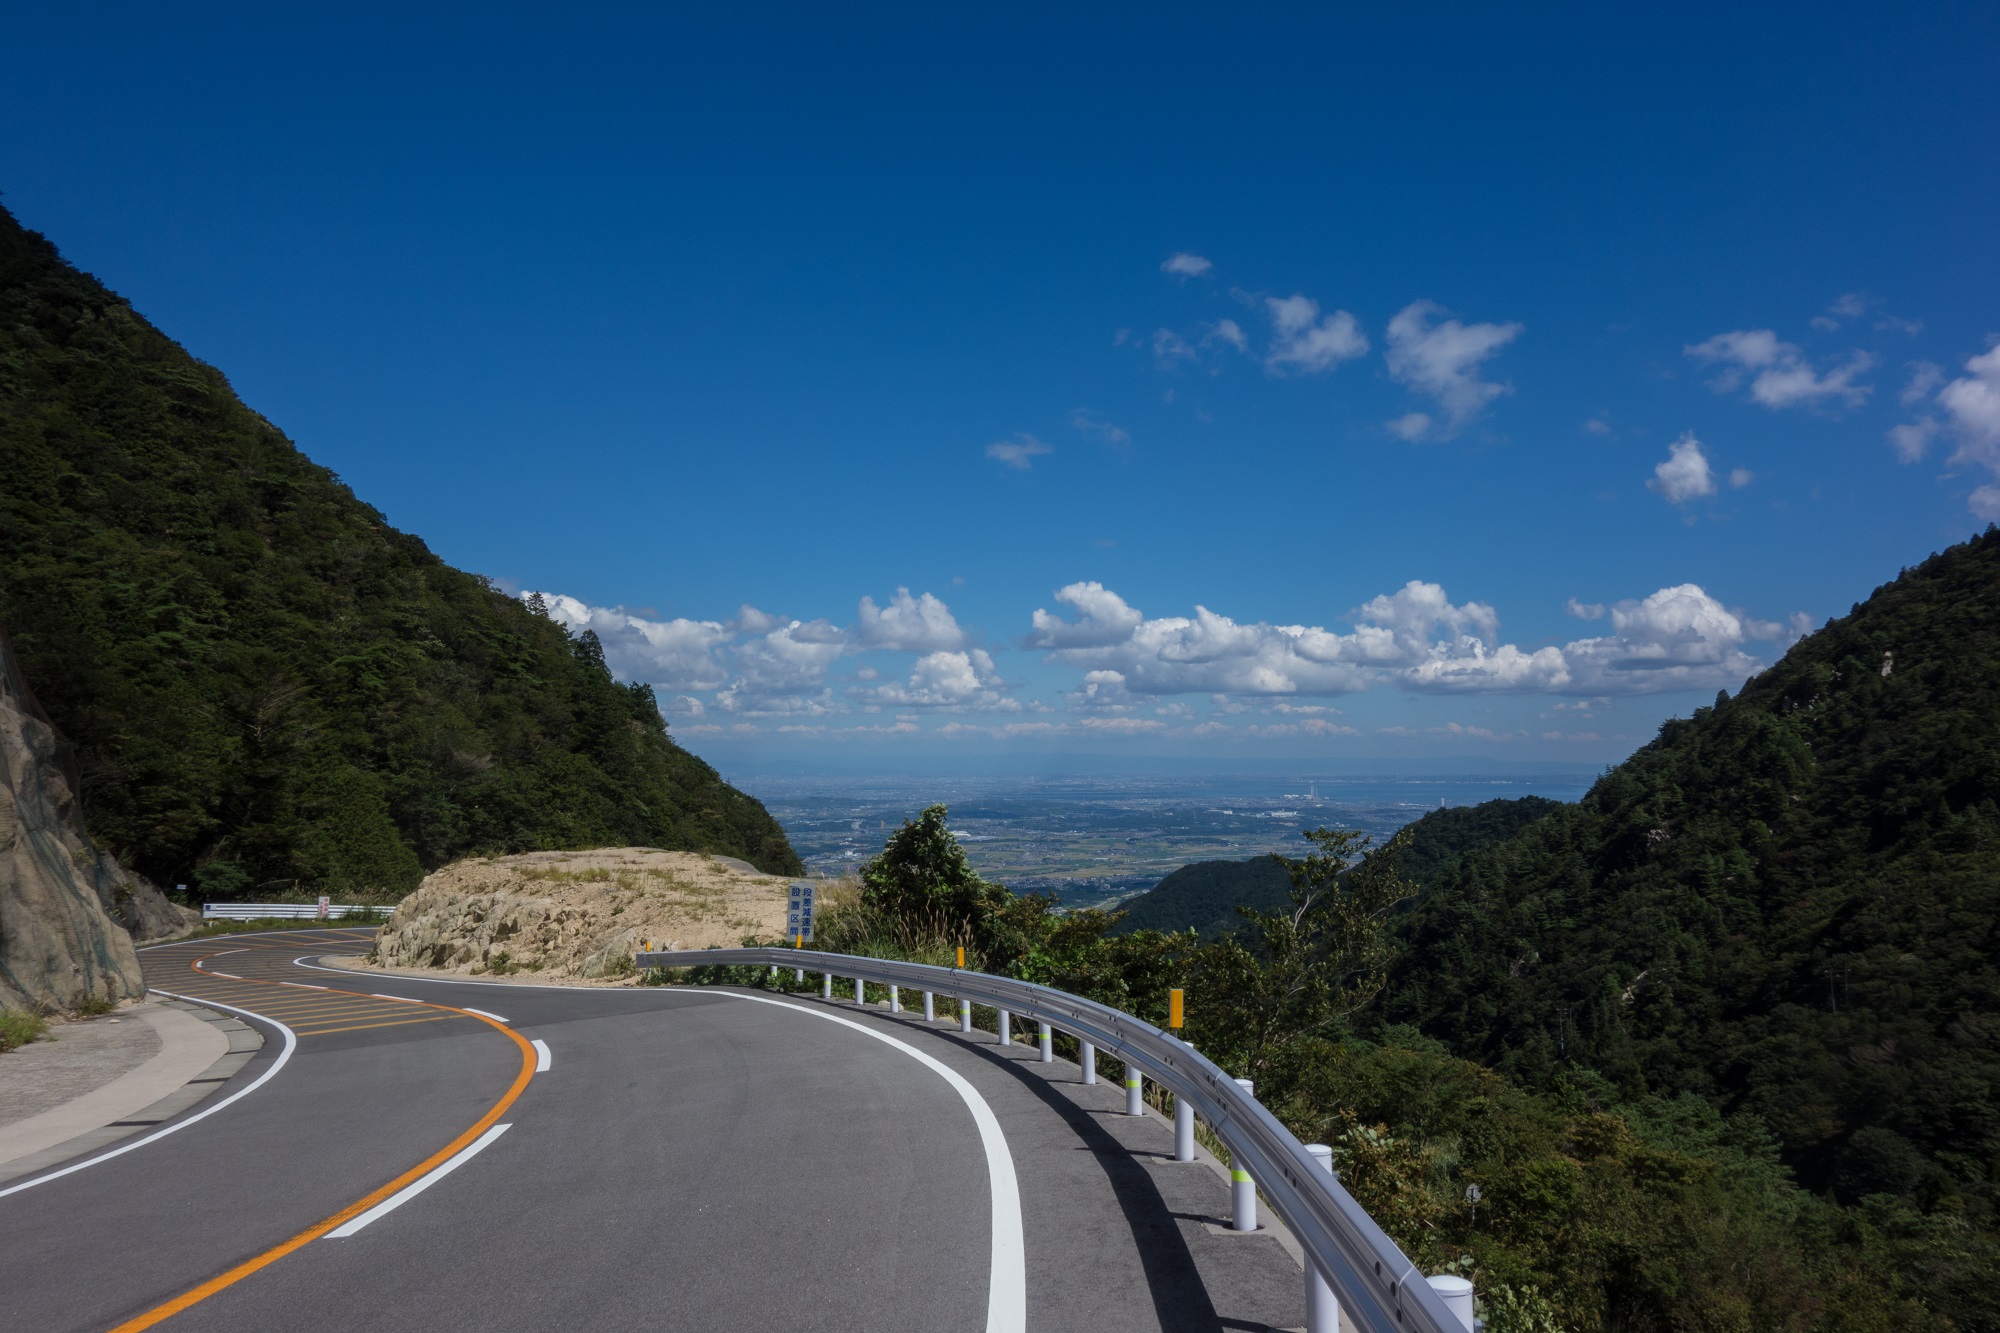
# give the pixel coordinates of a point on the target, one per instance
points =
(577, 914)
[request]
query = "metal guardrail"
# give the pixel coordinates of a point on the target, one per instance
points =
(281, 911)
(1374, 1281)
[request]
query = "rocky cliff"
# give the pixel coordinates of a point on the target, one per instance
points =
(67, 911)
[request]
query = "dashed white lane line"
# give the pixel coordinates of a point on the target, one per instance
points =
(411, 1191)
(403, 998)
(483, 1014)
(301, 985)
(542, 1056)
(227, 976)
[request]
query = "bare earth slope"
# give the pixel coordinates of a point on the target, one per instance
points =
(577, 914)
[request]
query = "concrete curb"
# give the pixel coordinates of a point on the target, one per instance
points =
(200, 1050)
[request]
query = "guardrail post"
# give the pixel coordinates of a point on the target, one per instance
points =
(965, 1015)
(1322, 1309)
(860, 991)
(895, 1001)
(1242, 1189)
(930, 1007)
(1048, 1044)
(799, 977)
(1457, 1294)
(1006, 1028)
(1087, 1057)
(1183, 1129)
(826, 985)
(1135, 1089)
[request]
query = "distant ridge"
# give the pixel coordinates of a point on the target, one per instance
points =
(1788, 904)
(268, 688)
(1203, 896)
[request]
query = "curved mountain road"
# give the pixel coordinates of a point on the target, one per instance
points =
(685, 1159)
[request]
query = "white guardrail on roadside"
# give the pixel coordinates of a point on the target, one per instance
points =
(282, 911)
(1380, 1288)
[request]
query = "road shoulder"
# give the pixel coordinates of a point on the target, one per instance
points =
(199, 1051)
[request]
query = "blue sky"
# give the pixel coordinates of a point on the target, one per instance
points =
(894, 387)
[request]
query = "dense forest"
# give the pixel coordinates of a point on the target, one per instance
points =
(268, 688)
(1785, 905)
(1716, 1048)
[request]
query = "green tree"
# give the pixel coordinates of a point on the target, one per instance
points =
(1303, 969)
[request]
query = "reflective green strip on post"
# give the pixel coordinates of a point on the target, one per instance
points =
(1239, 1176)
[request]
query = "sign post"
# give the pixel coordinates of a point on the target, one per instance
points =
(799, 911)
(325, 904)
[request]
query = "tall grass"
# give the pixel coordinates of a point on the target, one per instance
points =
(18, 1027)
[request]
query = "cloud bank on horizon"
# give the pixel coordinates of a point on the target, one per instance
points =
(1112, 670)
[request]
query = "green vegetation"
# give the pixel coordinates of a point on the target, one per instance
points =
(1785, 906)
(268, 688)
(18, 1027)
(1203, 897)
(1716, 1048)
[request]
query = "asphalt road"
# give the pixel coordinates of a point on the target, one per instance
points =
(688, 1159)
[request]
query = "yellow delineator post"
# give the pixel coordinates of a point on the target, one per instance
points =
(964, 1006)
(799, 942)
(1183, 1109)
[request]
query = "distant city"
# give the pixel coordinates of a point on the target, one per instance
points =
(1096, 840)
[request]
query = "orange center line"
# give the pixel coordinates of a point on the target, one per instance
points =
(367, 1201)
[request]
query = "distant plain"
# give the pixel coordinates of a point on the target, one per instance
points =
(1095, 840)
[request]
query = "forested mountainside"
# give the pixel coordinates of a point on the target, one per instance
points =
(1204, 895)
(266, 685)
(1785, 904)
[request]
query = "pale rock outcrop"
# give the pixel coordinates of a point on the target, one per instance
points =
(60, 946)
(580, 914)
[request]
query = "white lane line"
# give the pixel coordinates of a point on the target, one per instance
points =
(227, 976)
(404, 998)
(411, 1191)
(301, 985)
(482, 1013)
(1007, 1287)
(291, 1044)
(542, 1056)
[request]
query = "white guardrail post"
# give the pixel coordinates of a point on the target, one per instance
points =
(1457, 1294)
(1375, 1286)
(826, 985)
(1048, 1043)
(930, 1007)
(1242, 1187)
(1322, 1310)
(1006, 1028)
(895, 1000)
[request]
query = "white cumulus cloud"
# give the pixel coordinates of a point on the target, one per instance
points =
(1968, 409)
(1678, 638)
(1019, 452)
(1441, 360)
(907, 624)
(1778, 372)
(1181, 264)
(674, 655)
(1302, 341)
(1685, 475)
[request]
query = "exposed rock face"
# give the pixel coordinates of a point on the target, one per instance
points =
(59, 944)
(580, 914)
